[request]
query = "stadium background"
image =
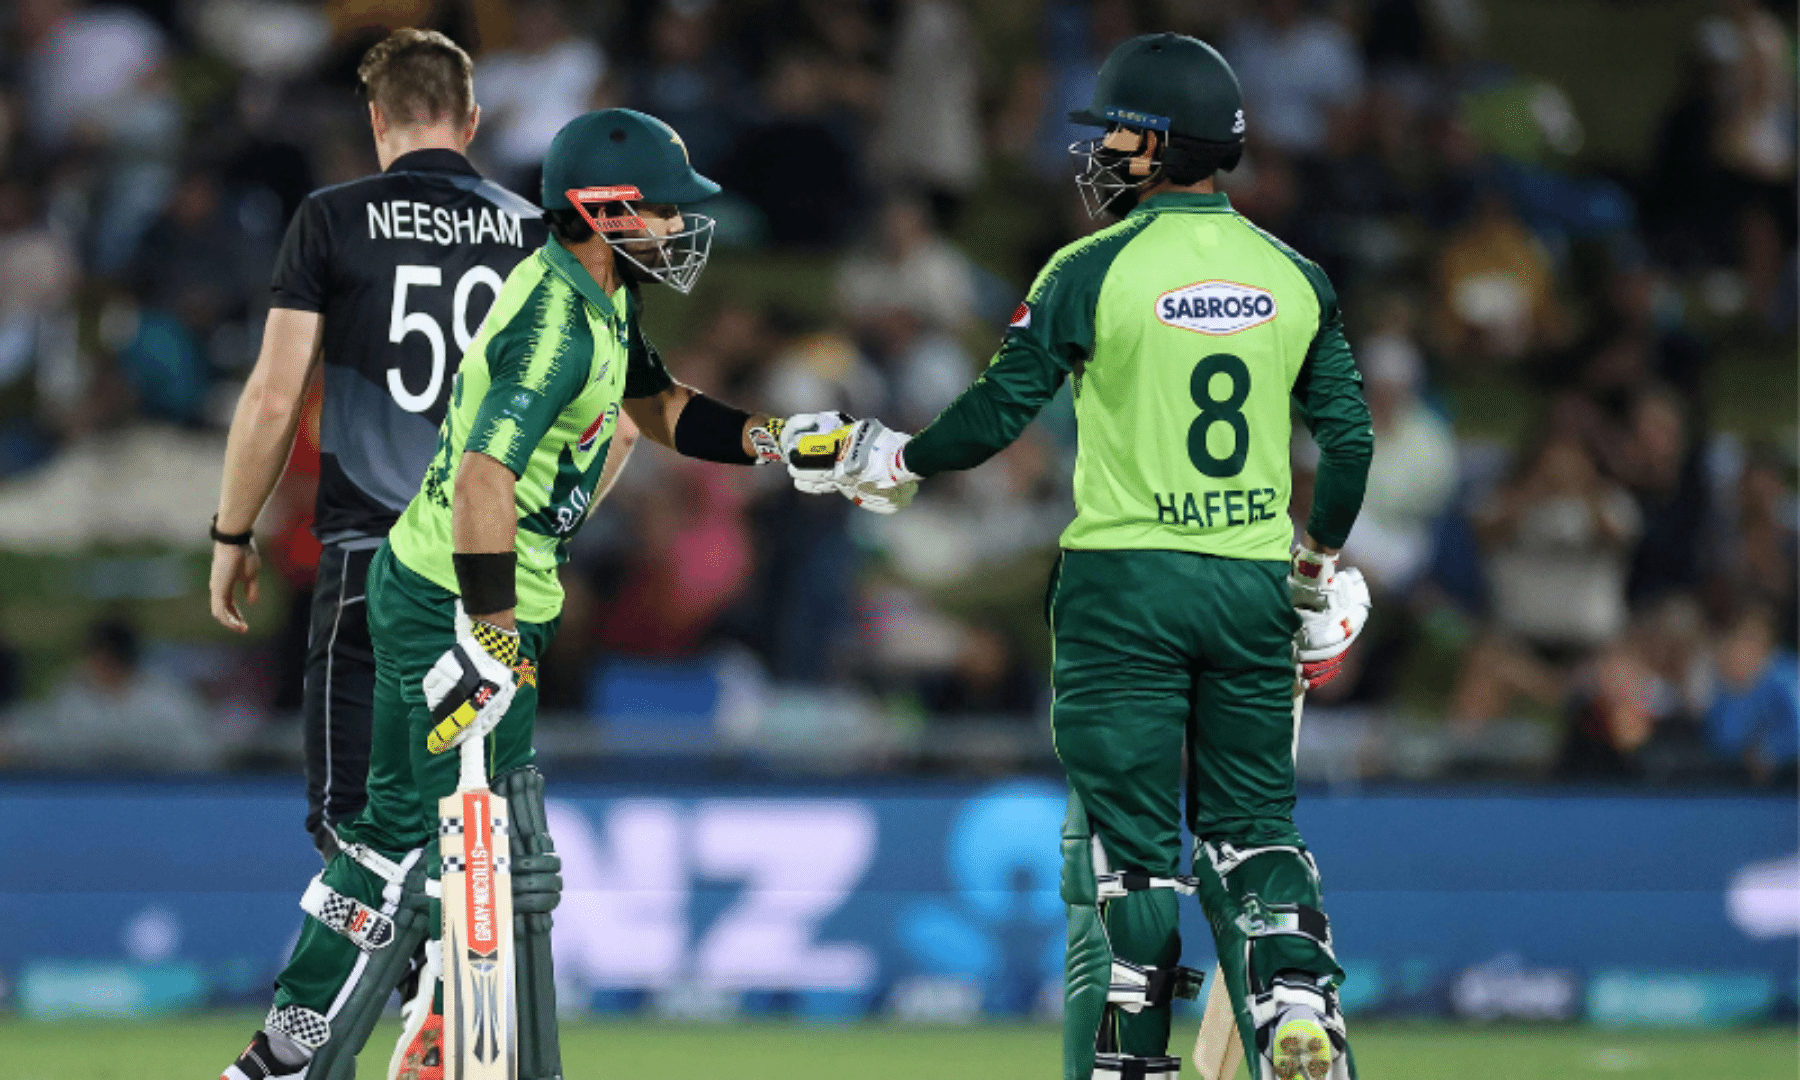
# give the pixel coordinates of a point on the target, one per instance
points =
(800, 755)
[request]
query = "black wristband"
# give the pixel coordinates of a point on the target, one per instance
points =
(242, 539)
(486, 581)
(712, 431)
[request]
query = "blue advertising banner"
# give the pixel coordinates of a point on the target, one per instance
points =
(933, 899)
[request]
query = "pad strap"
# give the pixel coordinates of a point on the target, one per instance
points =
(1135, 987)
(1117, 886)
(365, 927)
(1131, 1067)
(309, 1030)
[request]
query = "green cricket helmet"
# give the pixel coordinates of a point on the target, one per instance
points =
(1173, 90)
(604, 164)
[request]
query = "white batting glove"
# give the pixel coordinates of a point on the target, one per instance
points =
(1325, 636)
(869, 470)
(1309, 578)
(809, 445)
(471, 686)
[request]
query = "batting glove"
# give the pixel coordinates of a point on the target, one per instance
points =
(809, 444)
(869, 471)
(471, 686)
(1309, 578)
(1325, 636)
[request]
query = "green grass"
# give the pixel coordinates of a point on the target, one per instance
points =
(192, 1049)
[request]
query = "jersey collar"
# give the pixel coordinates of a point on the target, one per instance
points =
(1183, 200)
(432, 160)
(564, 262)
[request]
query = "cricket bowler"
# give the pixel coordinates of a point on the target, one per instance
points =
(463, 596)
(1178, 615)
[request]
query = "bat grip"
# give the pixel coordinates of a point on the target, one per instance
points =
(474, 767)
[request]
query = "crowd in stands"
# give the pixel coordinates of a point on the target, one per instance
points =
(1579, 570)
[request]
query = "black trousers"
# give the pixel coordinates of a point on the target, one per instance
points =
(340, 692)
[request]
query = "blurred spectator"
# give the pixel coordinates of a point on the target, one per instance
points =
(38, 274)
(691, 560)
(1300, 73)
(1614, 717)
(988, 679)
(926, 369)
(1557, 537)
(1076, 39)
(1413, 476)
(910, 268)
(800, 165)
(95, 80)
(1495, 298)
(1756, 546)
(529, 91)
(199, 261)
(113, 713)
(87, 69)
(930, 134)
(1755, 719)
(1663, 467)
(817, 369)
(1753, 134)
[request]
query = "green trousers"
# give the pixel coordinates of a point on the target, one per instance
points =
(1167, 659)
(412, 622)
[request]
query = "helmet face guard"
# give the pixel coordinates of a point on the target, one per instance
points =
(1112, 169)
(675, 259)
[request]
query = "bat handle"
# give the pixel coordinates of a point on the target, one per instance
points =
(474, 766)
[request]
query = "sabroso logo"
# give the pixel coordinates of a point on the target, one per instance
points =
(1215, 308)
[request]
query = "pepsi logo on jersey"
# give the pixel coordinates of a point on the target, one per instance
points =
(1215, 308)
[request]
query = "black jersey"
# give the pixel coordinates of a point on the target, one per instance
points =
(403, 266)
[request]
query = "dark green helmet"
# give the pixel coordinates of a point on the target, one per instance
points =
(621, 148)
(603, 165)
(1171, 84)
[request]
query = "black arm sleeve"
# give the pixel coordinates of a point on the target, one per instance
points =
(712, 431)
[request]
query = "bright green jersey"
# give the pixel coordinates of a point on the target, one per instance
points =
(538, 391)
(1190, 335)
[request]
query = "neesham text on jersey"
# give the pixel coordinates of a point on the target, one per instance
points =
(1213, 509)
(403, 219)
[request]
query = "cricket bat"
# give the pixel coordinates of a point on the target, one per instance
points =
(1218, 1049)
(480, 1017)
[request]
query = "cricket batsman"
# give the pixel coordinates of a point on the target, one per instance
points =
(1178, 615)
(463, 596)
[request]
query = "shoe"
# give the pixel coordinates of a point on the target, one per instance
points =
(422, 1056)
(258, 1062)
(1301, 1050)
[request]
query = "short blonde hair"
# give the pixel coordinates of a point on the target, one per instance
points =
(419, 77)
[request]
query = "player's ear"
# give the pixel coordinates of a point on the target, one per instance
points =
(474, 125)
(377, 121)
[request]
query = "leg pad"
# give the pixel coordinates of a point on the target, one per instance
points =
(537, 889)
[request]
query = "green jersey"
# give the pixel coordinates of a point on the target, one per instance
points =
(538, 391)
(1188, 332)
